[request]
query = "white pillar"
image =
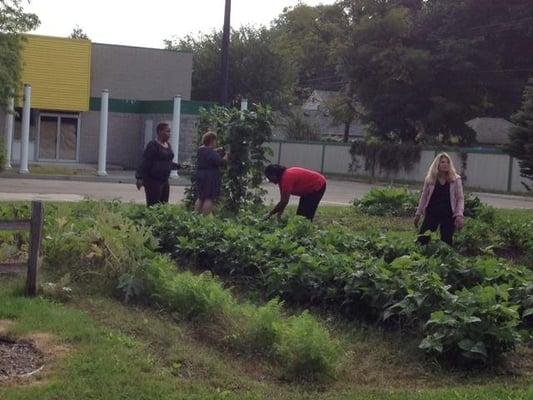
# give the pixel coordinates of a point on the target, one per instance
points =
(25, 133)
(148, 131)
(175, 133)
(10, 120)
(244, 104)
(102, 142)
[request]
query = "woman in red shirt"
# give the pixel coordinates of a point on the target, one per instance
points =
(307, 184)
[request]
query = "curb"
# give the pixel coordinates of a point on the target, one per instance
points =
(504, 196)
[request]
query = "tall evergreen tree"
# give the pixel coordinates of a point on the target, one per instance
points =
(521, 136)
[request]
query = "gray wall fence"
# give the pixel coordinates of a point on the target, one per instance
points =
(488, 169)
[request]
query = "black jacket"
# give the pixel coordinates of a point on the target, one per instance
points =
(156, 162)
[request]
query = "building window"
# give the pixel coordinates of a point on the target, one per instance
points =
(58, 137)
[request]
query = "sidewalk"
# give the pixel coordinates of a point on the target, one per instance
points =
(113, 176)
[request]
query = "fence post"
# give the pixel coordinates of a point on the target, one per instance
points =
(322, 161)
(36, 232)
(510, 176)
(279, 153)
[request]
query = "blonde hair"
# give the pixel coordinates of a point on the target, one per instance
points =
(208, 138)
(433, 170)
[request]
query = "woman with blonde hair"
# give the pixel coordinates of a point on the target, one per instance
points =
(442, 200)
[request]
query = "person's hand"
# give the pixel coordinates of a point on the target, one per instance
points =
(416, 221)
(139, 184)
(459, 222)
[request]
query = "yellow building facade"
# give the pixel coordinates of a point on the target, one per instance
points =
(59, 72)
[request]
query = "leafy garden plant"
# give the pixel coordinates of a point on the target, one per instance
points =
(243, 134)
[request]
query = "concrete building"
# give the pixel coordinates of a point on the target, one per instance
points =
(67, 77)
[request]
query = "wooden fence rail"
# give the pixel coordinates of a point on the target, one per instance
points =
(35, 226)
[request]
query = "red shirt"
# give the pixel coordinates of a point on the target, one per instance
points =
(300, 181)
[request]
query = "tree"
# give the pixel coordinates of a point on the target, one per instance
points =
(78, 33)
(521, 136)
(423, 68)
(13, 22)
(258, 71)
(305, 36)
(298, 126)
(344, 109)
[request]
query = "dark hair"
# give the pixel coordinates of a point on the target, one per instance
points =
(208, 138)
(161, 126)
(275, 170)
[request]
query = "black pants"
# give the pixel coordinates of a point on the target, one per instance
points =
(432, 222)
(156, 191)
(309, 203)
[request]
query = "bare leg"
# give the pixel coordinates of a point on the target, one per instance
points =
(207, 206)
(199, 205)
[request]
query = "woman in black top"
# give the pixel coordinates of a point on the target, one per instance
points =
(441, 201)
(208, 176)
(154, 171)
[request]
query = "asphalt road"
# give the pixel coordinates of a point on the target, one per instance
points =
(337, 193)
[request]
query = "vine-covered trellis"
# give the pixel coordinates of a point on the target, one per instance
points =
(243, 134)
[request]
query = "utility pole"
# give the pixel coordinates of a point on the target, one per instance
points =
(225, 55)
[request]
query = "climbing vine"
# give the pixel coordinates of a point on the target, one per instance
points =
(242, 134)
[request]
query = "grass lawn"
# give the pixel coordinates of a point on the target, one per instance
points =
(104, 349)
(113, 351)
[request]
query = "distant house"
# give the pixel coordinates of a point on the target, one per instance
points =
(316, 109)
(491, 131)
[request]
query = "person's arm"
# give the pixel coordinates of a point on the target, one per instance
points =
(146, 163)
(421, 202)
(280, 207)
(458, 216)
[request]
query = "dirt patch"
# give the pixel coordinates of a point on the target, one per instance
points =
(4, 326)
(29, 357)
(19, 359)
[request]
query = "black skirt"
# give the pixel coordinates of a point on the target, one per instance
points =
(208, 182)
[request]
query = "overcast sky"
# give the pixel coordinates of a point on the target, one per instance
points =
(146, 23)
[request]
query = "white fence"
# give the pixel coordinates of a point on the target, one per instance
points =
(485, 168)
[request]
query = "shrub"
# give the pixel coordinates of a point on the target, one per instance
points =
(193, 297)
(478, 324)
(306, 349)
(261, 329)
(104, 252)
(401, 202)
(390, 201)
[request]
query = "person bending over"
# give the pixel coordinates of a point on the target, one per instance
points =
(307, 184)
